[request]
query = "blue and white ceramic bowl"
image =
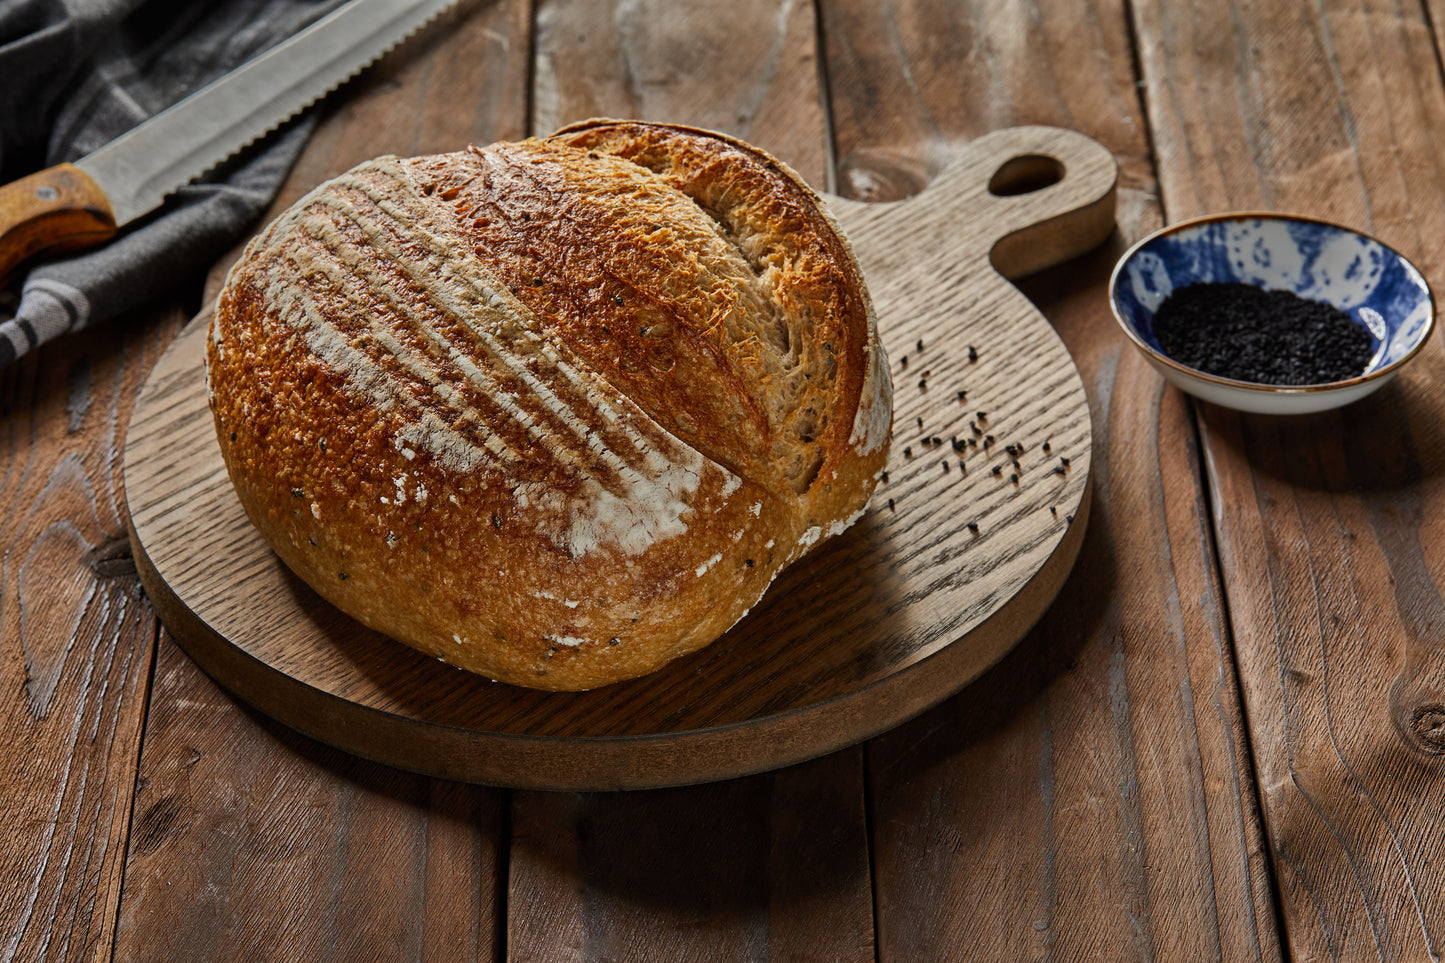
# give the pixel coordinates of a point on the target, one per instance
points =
(1375, 285)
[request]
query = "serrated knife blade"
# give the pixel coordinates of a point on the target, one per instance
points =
(71, 206)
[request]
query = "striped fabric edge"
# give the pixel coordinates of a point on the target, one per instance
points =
(47, 310)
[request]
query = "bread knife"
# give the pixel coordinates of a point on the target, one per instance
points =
(82, 204)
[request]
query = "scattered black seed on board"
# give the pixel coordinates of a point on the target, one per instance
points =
(945, 464)
(1054, 510)
(982, 416)
(973, 527)
(1068, 518)
(998, 470)
(1064, 461)
(1015, 463)
(908, 452)
(903, 361)
(987, 440)
(885, 478)
(920, 421)
(936, 440)
(890, 505)
(961, 467)
(958, 445)
(923, 383)
(973, 442)
(1047, 447)
(920, 344)
(963, 396)
(1014, 478)
(233, 436)
(1246, 333)
(1060, 471)
(972, 353)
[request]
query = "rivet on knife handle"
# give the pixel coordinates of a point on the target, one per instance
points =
(58, 209)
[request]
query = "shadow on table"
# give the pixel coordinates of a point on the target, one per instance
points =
(1385, 443)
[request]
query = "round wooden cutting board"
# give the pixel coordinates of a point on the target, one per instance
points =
(957, 556)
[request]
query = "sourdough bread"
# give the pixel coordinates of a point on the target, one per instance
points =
(556, 411)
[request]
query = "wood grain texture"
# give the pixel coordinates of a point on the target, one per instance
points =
(1329, 526)
(750, 71)
(255, 844)
(1092, 796)
(249, 841)
(76, 641)
(762, 868)
(961, 549)
(926, 77)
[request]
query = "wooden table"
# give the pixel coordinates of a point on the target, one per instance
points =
(1190, 757)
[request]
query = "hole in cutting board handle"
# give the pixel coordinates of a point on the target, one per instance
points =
(1024, 175)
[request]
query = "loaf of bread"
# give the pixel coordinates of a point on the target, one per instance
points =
(556, 411)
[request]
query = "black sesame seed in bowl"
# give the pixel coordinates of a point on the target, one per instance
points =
(1245, 333)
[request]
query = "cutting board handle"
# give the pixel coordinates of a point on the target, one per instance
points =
(1022, 198)
(1040, 195)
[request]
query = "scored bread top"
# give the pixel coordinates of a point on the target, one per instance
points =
(554, 411)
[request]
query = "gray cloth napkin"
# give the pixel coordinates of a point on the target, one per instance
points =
(74, 74)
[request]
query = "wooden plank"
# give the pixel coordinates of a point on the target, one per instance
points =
(76, 640)
(1328, 525)
(254, 843)
(250, 841)
(725, 871)
(1093, 795)
(768, 867)
(751, 73)
(923, 78)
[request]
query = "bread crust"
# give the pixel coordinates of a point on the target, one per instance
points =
(556, 411)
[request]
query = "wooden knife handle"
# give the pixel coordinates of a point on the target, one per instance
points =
(58, 209)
